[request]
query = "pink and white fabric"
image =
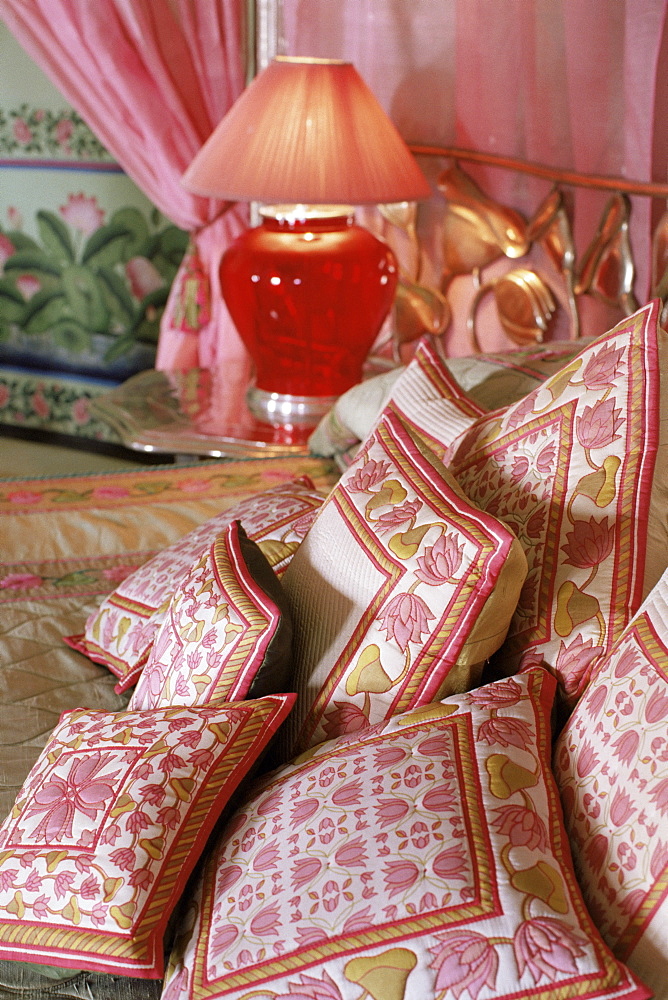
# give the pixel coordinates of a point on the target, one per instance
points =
(120, 632)
(109, 825)
(422, 858)
(611, 765)
(152, 78)
(226, 633)
(578, 471)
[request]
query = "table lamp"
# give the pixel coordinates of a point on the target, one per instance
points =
(307, 289)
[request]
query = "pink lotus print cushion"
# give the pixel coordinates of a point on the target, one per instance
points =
(399, 592)
(421, 859)
(120, 633)
(578, 470)
(227, 633)
(109, 825)
(611, 765)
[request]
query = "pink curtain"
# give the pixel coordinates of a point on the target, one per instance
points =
(579, 84)
(152, 78)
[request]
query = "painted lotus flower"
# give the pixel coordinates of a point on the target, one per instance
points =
(598, 425)
(547, 948)
(82, 213)
(405, 618)
(464, 960)
(522, 827)
(589, 543)
(440, 561)
(603, 369)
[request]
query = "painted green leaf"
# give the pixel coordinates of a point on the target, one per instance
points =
(45, 308)
(106, 246)
(22, 242)
(172, 244)
(12, 303)
(116, 295)
(55, 236)
(147, 323)
(86, 298)
(71, 335)
(137, 227)
(35, 261)
(120, 347)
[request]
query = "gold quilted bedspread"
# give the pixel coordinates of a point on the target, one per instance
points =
(64, 544)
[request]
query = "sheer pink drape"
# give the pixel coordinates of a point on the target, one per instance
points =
(152, 78)
(579, 84)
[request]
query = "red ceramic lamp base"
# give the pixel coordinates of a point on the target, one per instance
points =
(308, 296)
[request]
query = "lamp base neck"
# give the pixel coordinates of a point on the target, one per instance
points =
(282, 408)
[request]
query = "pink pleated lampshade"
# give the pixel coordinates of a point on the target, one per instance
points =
(307, 131)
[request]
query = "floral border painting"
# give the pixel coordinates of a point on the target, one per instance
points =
(86, 260)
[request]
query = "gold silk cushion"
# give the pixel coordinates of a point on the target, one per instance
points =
(399, 592)
(578, 469)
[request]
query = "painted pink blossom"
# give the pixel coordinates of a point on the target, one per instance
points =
(405, 618)
(625, 746)
(266, 922)
(659, 860)
(399, 516)
(522, 827)
(622, 808)
(390, 811)
(22, 131)
(64, 130)
(659, 795)
(657, 706)
(400, 875)
(506, 732)
(451, 863)
(464, 960)
(547, 947)
(574, 660)
(85, 789)
(370, 474)
(440, 561)
(597, 700)
(603, 369)
(587, 759)
(344, 718)
(115, 574)
(20, 581)
(596, 851)
(80, 410)
(82, 213)
(349, 794)
(143, 277)
(223, 937)
(439, 799)
(304, 871)
(14, 217)
(303, 810)
(110, 492)
(311, 988)
(503, 694)
(598, 425)
(267, 857)
(589, 543)
(352, 854)
(519, 468)
(28, 285)
(7, 248)
(546, 457)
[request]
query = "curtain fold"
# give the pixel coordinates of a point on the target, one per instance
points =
(152, 78)
(578, 84)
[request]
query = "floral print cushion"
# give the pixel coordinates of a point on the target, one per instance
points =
(429, 400)
(611, 764)
(578, 470)
(424, 857)
(399, 592)
(109, 825)
(227, 633)
(120, 633)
